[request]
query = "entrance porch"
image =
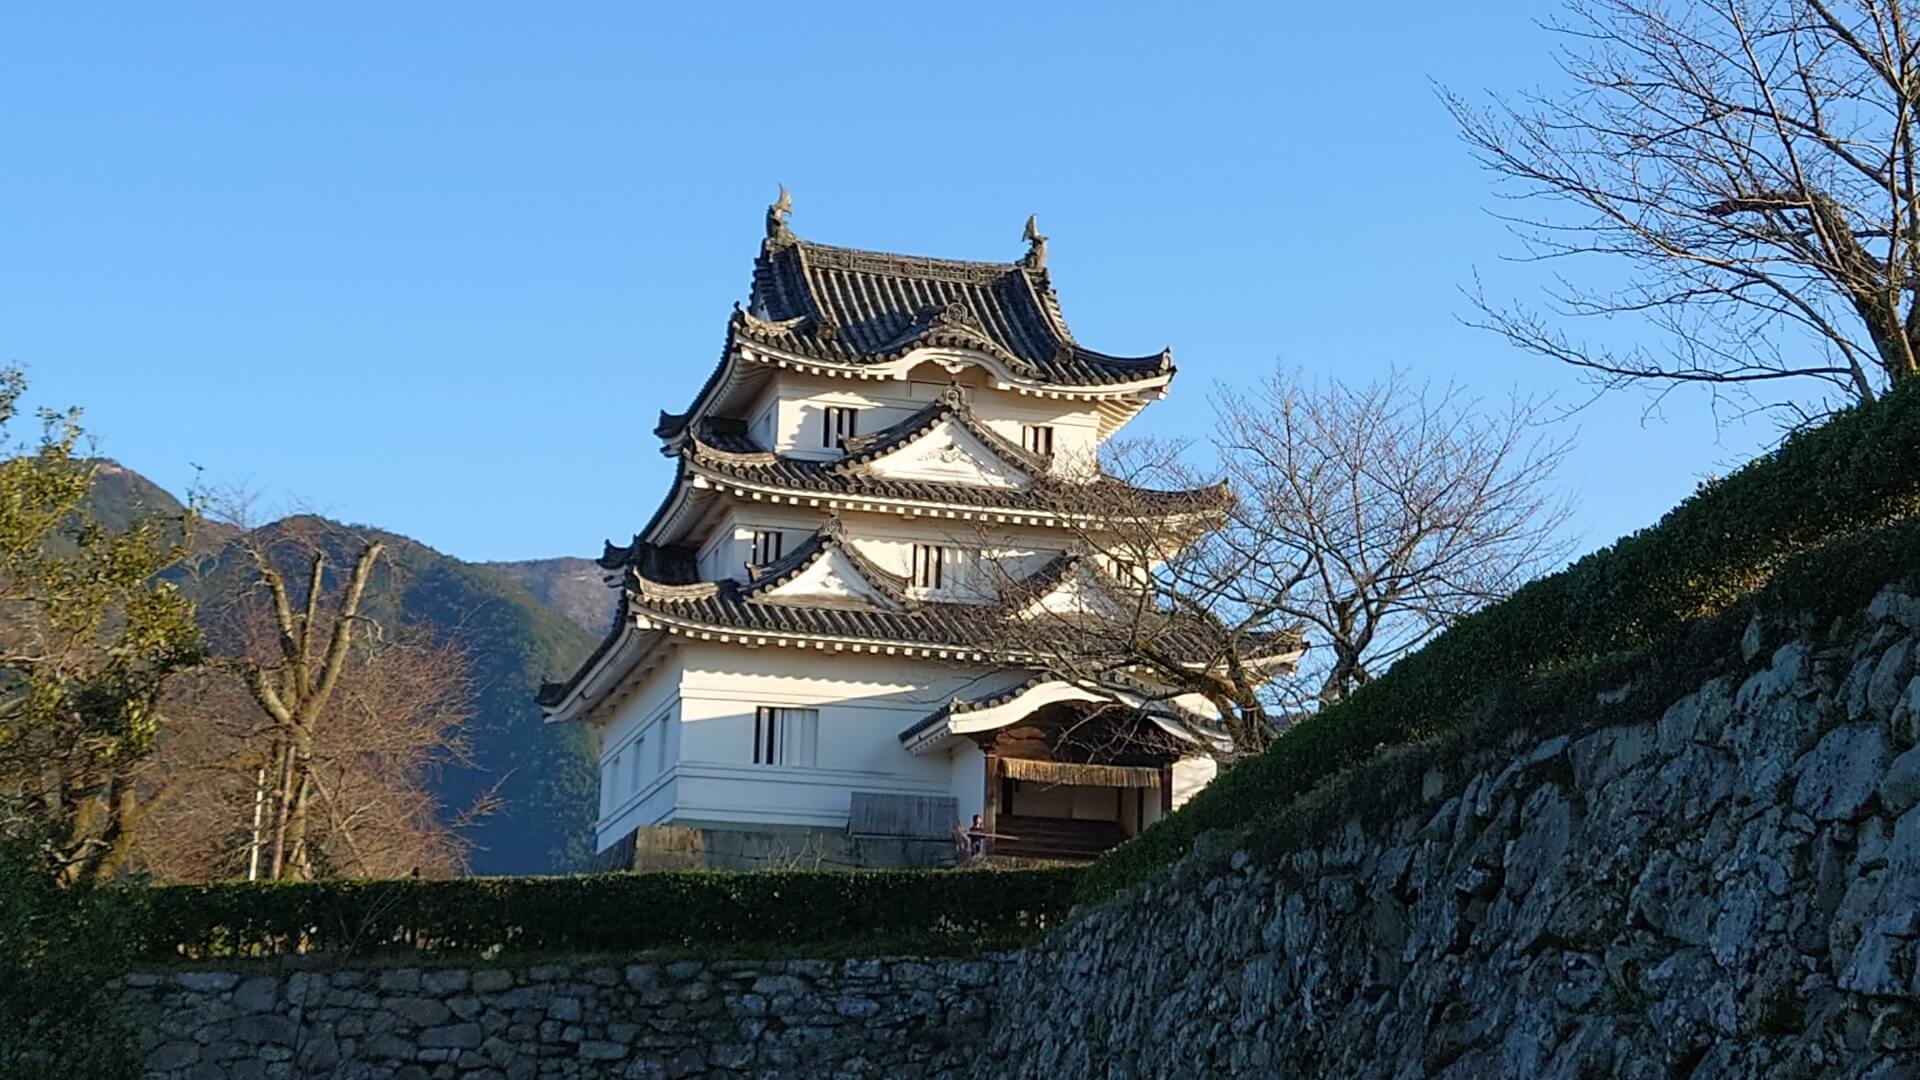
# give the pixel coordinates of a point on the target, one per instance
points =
(1073, 780)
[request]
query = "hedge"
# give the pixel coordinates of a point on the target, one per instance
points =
(597, 913)
(1859, 470)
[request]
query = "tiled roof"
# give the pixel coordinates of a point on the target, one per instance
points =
(959, 705)
(1199, 729)
(729, 609)
(673, 565)
(722, 447)
(729, 606)
(853, 306)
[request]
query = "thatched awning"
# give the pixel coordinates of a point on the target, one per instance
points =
(1057, 772)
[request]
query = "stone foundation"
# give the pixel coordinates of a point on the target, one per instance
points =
(856, 1018)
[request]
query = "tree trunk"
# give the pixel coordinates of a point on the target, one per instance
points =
(283, 799)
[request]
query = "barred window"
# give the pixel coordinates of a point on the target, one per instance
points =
(1038, 438)
(786, 736)
(839, 425)
(766, 546)
(929, 566)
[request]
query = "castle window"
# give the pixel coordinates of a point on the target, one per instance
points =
(766, 546)
(1037, 438)
(929, 566)
(633, 781)
(839, 425)
(786, 736)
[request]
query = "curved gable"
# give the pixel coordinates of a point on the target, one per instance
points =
(949, 452)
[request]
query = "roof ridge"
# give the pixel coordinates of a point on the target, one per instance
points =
(872, 260)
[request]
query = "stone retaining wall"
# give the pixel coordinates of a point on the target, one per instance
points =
(855, 1018)
(1731, 891)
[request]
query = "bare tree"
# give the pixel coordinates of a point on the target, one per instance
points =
(1751, 165)
(1376, 515)
(1140, 607)
(1360, 519)
(294, 683)
(395, 719)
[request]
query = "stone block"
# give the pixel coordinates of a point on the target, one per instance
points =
(260, 1028)
(173, 1055)
(1842, 772)
(443, 983)
(1900, 788)
(601, 1050)
(256, 994)
(206, 982)
(455, 1036)
(420, 1011)
(492, 980)
(399, 981)
(1889, 679)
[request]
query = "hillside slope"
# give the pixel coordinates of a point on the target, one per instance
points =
(513, 640)
(576, 588)
(119, 495)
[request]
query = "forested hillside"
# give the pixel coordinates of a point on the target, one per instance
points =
(543, 776)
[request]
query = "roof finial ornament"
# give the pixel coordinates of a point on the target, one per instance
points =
(1036, 256)
(777, 230)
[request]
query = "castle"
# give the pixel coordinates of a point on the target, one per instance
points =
(809, 661)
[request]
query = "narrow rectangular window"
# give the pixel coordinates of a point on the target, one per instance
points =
(766, 734)
(929, 566)
(839, 426)
(786, 736)
(1037, 438)
(606, 788)
(766, 546)
(639, 747)
(660, 748)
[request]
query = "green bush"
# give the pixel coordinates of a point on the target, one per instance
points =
(1855, 472)
(59, 948)
(605, 912)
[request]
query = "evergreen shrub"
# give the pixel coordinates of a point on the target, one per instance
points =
(1857, 471)
(618, 912)
(59, 949)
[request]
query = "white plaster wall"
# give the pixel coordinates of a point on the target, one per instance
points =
(967, 780)
(692, 719)
(1190, 775)
(646, 720)
(887, 540)
(792, 412)
(727, 548)
(864, 703)
(987, 556)
(1076, 427)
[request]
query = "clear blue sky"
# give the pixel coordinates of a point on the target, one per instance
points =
(437, 266)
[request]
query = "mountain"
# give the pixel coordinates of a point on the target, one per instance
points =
(119, 495)
(576, 588)
(546, 774)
